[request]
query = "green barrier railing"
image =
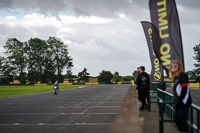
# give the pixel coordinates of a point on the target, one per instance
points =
(162, 108)
(165, 107)
(194, 119)
(165, 101)
(152, 95)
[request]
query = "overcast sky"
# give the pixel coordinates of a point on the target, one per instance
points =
(100, 34)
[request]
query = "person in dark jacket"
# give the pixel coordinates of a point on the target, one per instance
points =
(181, 99)
(138, 73)
(143, 86)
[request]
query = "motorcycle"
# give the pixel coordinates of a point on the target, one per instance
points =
(55, 89)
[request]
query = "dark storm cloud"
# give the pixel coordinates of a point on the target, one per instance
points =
(5, 3)
(102, 8)
(189, 3)
(43, 6)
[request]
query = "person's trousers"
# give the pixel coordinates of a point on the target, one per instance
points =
(142, 97)
(181, 119)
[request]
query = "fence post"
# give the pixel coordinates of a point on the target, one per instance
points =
(191, 119)
(161, 124)
(198, 121)
(158, 95)
(149, 101)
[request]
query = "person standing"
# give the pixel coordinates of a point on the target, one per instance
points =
(181, 99)
(138, 70)
(143, 86)
(138, 73)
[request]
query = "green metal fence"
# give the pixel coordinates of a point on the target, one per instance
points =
(165, 107)
(165, 101)
(194, 119)
(152, 95)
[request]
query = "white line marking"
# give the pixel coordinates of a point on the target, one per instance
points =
(69, 107)
(82, 86)
(16, 124)
(58, 124)
(107, 102)
(59, 114)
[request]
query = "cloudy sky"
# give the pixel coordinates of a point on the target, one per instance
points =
(100, 34)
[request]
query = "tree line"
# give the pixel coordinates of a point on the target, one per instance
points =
(44, 60)
(34, 60)
(104, 76)
(195, 73)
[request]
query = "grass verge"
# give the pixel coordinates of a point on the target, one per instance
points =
(15, 91)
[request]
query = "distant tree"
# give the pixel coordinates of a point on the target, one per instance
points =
(191, 74)
(105, 76)
(49, 71)
(196, 71)
(7, 72)
(83, 76)
(1, 68)
(36, 53)
(70, 64)
(22, 77)
(59, 54)
(43, 60)
(116, 78)
(127, 78)
(135, 74)
(16, 54)
(69, 75)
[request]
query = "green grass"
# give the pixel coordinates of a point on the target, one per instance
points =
(15, 91)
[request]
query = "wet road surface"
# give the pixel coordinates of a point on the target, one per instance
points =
(91, 109)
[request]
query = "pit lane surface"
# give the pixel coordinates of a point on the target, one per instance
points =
(90, 109)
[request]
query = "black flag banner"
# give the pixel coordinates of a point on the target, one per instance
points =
(156, 68)
(165, 17)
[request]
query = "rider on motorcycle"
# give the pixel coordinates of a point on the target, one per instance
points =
(56, 84)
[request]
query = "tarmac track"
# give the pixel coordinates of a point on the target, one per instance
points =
(91, 109)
